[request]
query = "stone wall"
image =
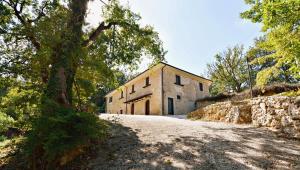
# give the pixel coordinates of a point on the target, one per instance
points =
(234, 112)
(279, 113)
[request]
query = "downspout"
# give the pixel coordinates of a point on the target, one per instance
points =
(162, 91)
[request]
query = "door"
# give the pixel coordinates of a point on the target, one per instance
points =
(132, 108)
(147, 107)
(170, 106)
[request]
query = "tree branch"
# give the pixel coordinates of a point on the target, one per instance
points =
(97, 32)
(27, 25)
(40, 14)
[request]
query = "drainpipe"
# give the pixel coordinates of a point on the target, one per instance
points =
(162, 90)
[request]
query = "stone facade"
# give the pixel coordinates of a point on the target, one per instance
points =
(162, 87)
(280, 113)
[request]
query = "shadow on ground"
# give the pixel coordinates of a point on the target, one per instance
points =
(124, 150)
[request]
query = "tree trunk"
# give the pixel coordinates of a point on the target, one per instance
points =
(65, 57)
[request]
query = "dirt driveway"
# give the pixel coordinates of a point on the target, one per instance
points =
(160, 142)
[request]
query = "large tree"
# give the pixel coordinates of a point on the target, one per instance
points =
(280, 21)
(46, 40)
(229, 71)
(48, 45)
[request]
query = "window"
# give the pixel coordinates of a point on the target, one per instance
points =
(132, 89)
(147, 81)
(121, 95)
(178, 97)
(121, 111)
(201, 86)
(110, 99)
(178, 80)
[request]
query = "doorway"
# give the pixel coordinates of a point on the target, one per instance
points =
(147, 107)
(170, 106)
(132, 108)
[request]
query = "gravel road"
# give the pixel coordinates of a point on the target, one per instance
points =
(161, 142)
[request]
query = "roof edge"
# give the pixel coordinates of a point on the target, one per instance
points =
(154, 66)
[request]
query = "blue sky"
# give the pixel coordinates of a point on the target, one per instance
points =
(193, 31)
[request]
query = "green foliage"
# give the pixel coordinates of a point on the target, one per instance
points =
(5, 122)
(2, 138)
(280, 21)
(20, 104)
(98, 98)
(59, 133)
(292, 93)
(44, 43)
(229, 71)
(123, 45)
(262, 63)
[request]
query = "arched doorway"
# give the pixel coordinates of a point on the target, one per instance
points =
(147, 107)
(132, 108)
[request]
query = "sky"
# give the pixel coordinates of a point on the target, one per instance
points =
(192, 31)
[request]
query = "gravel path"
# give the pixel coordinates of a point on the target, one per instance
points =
(161, 142)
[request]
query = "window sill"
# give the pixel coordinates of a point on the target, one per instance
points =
(147, 85)
(179, 84)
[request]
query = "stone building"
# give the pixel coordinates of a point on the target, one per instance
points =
(163, 89)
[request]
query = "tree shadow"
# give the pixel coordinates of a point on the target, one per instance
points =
(124, 150)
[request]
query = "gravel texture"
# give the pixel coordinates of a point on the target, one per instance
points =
(162, 142)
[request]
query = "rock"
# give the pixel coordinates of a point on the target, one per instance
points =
(271, 111)
(297, 136)
(286, 121)
(297, 101)
(280, 112)
(276, 124)
(263, 107)
(297, 125)
(277, 112)
(296, 117)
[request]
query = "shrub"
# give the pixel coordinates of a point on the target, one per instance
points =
(54, 137)
(292, 93)
(269, 90)
(5, 122)
(2, 138)
(20, 104)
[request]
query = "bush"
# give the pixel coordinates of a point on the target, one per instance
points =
(273, 89)
(291, 93)
(2, 138)
(55, 137)
(20, 104)
(5, 122)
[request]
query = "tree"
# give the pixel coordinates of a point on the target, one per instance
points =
(229, 71)
(258, 63)
(45, 43)
(280, 20)
(60, 59)
(99, 96)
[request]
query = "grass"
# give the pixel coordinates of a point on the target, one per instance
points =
(291, 93)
